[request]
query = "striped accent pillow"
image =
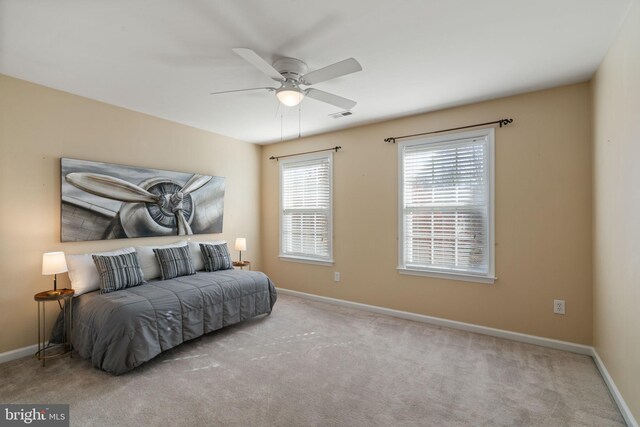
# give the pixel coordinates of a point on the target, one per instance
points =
(118, 271)
(216, 257)
(174, 262)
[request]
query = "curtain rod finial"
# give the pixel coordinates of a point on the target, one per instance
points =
(390, 139)
(505, 122)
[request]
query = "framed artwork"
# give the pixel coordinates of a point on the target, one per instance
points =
(103, 201)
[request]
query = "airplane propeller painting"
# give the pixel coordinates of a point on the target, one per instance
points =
(106, 201)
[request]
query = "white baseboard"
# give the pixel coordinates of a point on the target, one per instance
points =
(18, 353)
(438, 321)
(500, 333)
(615, 393)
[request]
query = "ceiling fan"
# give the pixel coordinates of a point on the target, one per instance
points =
(292, 73)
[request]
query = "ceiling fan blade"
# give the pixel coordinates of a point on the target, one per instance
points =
(329, 72)
(110, 187)
(243, 90)
(256, 60)
(329, 98)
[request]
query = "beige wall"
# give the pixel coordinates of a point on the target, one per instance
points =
(542, 214)
(543, 218)
(616, 184)
(38, 126)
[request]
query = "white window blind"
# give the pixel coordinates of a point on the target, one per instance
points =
(446, 204)
(306, 201)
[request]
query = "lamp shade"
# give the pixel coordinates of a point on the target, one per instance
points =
(241, 244)
(53, 263)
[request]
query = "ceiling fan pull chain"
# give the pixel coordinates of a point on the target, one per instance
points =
(299, 114)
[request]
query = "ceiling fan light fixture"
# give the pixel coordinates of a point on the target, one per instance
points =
(290, 96)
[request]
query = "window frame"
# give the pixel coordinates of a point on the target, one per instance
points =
(444, 140)
(299, 258)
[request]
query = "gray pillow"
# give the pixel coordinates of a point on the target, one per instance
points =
(118, 271)
(174, 262)
(196, 254)
(216, 257)
(148, 261)
(83, 273)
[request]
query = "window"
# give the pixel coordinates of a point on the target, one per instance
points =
(446, 224)
(305, 208)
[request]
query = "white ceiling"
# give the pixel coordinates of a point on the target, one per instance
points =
(163, 57)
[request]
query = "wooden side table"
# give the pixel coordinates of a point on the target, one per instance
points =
(66, 295)
(242, 264)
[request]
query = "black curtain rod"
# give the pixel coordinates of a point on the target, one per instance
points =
(336, 148)
(502, 122)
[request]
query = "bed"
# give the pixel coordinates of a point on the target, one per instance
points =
(121, 330)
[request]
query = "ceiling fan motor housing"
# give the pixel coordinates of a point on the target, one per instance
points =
(291, 68)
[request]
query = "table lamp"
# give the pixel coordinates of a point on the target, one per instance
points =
(53, 263)
(241, 245)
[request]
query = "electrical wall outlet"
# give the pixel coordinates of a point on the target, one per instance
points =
(336, 276)
(558, 306)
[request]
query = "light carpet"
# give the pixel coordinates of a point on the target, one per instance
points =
(314, 364)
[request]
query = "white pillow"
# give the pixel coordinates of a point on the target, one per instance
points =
(196, 255)
(148, 261)
(83, 273)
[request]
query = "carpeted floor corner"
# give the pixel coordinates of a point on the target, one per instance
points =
(313, 364)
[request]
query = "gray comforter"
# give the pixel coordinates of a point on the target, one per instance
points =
(121, 330)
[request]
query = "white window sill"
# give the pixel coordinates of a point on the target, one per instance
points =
(449, 276)
(304, 260)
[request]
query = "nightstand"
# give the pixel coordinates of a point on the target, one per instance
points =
(66, 296)
(242, 264)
